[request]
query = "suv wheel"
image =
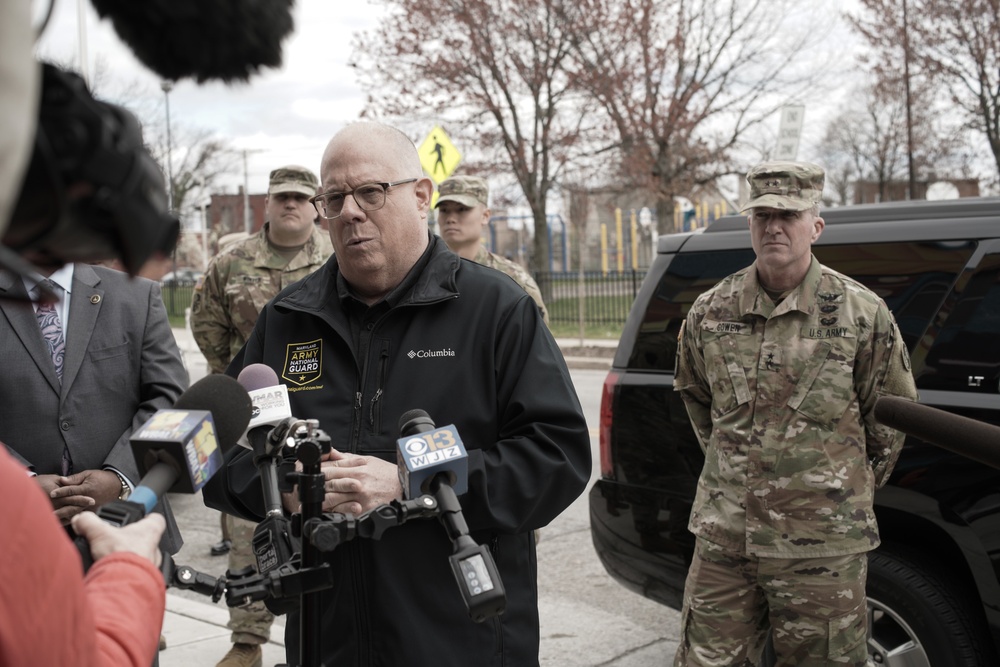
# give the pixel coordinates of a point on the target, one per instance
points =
(918, 619)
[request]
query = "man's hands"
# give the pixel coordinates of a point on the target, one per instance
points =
(354, 484)
(141, 537)
(81, 491)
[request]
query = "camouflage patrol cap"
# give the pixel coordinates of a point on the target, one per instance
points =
(293, 178)
(793, 186)
(466, 190)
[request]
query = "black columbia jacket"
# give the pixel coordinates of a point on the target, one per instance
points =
(468, 346)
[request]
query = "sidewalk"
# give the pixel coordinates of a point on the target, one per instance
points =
(197, 635)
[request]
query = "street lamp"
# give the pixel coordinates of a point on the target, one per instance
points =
(166, 87)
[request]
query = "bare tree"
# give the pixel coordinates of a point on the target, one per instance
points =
(496, 70)
(955, 43)
(683, 82)
(198, 157)
(962, 41)
(871, 135)
(873, 138)
(199, 160)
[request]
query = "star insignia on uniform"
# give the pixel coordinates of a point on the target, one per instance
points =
(302, 378)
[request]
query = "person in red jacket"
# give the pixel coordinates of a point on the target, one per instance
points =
(51, 613)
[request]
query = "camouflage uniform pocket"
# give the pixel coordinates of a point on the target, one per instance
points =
(825, 387)
(730, 388)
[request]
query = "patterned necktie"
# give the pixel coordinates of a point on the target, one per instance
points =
(55, 340)
(52, 331)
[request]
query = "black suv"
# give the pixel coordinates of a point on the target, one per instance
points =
(934, 584)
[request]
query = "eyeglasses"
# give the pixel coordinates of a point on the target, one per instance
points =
(370, 197)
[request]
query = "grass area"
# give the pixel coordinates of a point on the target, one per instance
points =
(177, 299)
(604, 316)
(572, 330)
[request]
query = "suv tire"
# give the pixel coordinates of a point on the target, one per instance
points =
(917, 617)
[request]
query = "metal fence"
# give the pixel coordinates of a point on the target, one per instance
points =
(177, 297)
(606, 296)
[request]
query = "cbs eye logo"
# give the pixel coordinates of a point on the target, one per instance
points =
(415, 446)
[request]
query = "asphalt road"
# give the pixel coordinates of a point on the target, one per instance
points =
(587, 619)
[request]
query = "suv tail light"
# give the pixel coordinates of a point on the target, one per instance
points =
(607, 413)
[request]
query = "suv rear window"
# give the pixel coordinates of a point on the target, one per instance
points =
(912, 278)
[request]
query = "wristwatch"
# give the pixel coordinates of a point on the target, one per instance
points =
(126, 489)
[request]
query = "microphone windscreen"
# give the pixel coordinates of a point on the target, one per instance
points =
(228, 402)
(415, 421)
(205, 39)
(257, 376)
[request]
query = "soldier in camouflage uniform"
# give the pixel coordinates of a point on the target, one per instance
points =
(239, 282)
(462, 216)
(779, 366)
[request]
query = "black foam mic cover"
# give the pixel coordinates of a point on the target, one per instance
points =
(971, 438)
(204, 39)
(228, 402)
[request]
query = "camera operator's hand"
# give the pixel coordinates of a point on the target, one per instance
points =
(141, 537)
(100, 486)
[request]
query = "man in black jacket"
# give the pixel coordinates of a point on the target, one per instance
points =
(395, 321)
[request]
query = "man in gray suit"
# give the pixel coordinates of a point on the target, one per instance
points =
(69, 419)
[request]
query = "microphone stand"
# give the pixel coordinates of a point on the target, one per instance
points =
(309, 452)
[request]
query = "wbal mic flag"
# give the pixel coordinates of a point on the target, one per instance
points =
(180, 435)
(423, 456)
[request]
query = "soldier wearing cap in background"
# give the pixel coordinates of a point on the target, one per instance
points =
(779, 366)
(238, 283)
(462, 217)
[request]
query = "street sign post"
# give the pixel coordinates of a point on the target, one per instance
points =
(438, 156)
(789, 132)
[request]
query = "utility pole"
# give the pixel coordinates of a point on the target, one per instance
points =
(911, 189)
(166, 87)
(247, 217)
(81, 24)
(247, 224)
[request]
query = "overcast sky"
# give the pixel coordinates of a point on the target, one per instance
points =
(286, 116)
(283, 116)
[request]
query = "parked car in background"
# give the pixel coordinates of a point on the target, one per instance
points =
(933, 586)
(183, 277)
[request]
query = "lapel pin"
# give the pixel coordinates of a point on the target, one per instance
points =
(95, 299)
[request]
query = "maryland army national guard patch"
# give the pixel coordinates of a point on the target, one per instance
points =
(303, 364)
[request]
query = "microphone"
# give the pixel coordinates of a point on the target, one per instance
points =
(424, 453)
(219, 39)
(973, 439)
(179, 449)
(272, 414)
(433, 460)
(273, 543)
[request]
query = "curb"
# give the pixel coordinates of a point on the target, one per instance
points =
(588, 363)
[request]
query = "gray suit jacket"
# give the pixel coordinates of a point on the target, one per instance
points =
(122, 364)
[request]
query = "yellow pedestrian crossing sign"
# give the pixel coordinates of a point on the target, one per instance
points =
(438, 156)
